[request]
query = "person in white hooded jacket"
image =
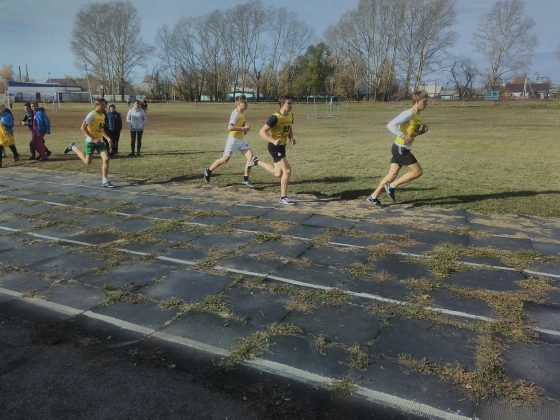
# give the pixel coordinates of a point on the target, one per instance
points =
(136, 119)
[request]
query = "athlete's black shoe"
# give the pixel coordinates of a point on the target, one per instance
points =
(374, 201)
(207, 175)
(390, 192)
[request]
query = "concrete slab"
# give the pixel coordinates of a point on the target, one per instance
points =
(216, 240)
(23, 281)
(538, 363)
(502, 242)
(441, 344)
(280, 248)
(96, 237)
(255, 265)
(308, 232)
(69, 265)
(328, 222)
(499, 280)
(258, 307)
(187, 284)
(134, 224)
(128, 275)
(545, 316)
(397, 266)
(444, 298)
(210, 329)
(335, 256)
(349, 325)
(303, 353)
(146, 314)
(76, 296)
(31, 254)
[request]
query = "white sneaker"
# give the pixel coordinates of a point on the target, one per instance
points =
(107, 184)
(287, 201)
(248, 183)
(253, 162)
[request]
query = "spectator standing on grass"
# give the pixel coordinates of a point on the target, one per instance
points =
(136, 119)
(237, 129)
(41, 127)
(277, 131)
(114, 127)
(406, 126)
(7, 132)
(93, 127)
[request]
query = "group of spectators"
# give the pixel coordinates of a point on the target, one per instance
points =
(37, 120)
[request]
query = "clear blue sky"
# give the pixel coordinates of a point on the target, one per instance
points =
(37, 32)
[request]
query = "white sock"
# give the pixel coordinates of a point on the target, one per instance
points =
(74, 148)
(373, 196)
(104, 180)
(391, 185)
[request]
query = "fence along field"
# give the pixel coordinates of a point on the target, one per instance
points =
(486, 157)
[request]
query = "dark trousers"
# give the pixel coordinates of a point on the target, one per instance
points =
(12, 148)
(115, 136)
(136, 141)
(32, 148)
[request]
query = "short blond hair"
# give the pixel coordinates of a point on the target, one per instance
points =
(419, 95)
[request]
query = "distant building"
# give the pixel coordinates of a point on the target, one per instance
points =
(44, 92)
(528, 90)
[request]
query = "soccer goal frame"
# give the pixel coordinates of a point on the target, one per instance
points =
(315, 103)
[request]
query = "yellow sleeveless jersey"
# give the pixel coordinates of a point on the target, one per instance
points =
(96, 124)
(281, 129)
(411, 127)
(237, 119)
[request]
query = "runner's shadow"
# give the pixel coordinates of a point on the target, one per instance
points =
(470, 198)
(352, 194)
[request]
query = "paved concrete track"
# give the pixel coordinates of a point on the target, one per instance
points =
(431, 313)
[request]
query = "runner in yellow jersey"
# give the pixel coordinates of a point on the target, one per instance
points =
(237, 129)
(93, 127)
(406, 126)
(277, 131)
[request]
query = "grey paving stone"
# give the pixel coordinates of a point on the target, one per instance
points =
(133, 224)
(538, 363)
(34, 209)
(438, 237)
(69, 265)
(545, 316)
(8, 241)
(187, 284)
(9, 206)
(380, 228)
(502, 409)
(31, 255)
(146, 200)
(335, 256)
(136, 210)
(444, 298)
(397, 289)
(287, 216)
(210, 329)
(318, 275)
(545, 268)
(302, 353)
(76, 296)
(262, 266)
(212, 220)
(186, 254)
(216, 240)
(355, 240)
(146, 314)
(69, 199)
(259, 307)
(501, 242)
(440, 344)
(256, 227)
(547, 248)
(309, 232)
(328, 222)
(397, 266)
(129, 275)
(23, 281)
(59, 231)
(386, 376)
(281, 248)
(178, 236)
(93, 220)
(237, 211)
(148, 246)
(346, 324)
(96, 238)
(100, 204)
(499, 280)
(17, 223)
(168, 214)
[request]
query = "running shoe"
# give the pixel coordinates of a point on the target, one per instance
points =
(286, 201)
(107, 184)
(390, 192)
(254, 162)
(248, 183)
(207, 175)
(374, 201)
(69, 148)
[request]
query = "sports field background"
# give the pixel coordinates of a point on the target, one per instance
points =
(490, 158)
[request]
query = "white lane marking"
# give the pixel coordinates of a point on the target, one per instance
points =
(263, 365)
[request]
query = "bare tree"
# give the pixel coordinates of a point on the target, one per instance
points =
(463, 72)
(505, 37)
(107, 38)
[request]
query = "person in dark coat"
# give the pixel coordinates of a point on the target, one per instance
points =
(114, 127)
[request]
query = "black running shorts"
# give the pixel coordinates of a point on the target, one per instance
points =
(277, 152)
(402, 156)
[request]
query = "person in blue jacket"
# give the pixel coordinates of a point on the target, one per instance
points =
(41, 126)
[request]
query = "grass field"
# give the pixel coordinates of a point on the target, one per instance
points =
(481, 156)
